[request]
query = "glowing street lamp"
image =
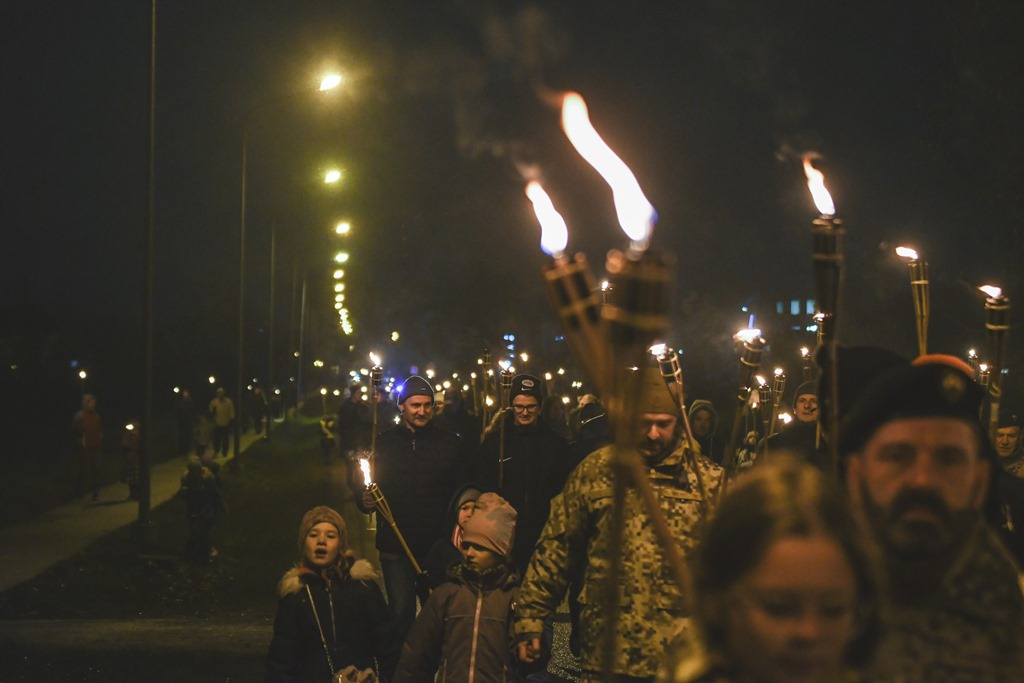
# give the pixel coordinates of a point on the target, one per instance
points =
(332, 176)
(330, 81)
(343, 228)
(341, 257)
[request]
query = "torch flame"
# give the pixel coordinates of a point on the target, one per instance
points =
(374, 358)
(364, 465)
(505, 364)
(659, 349)
(992, 291)
(554, 235)
(907, 253)
(971, 353)
(816, 184)
(636, 215)
(786, 418)
(747, 334)
(804, 352)
(778, 372)
(983, 367)
(761, 381)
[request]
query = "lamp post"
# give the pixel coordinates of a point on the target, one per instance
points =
(329, 82)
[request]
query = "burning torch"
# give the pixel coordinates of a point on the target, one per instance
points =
(764, 395)
(376, 377)
(507, 373)
(919, 288)
(380, 503)
(672, 373)
(778, 389)
(972, 361)
(828, 266)
(997, 326)
(807, 363)
(751, 347)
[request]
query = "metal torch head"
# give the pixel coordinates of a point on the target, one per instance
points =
(376, 376)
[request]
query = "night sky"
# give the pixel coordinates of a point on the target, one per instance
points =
(914, 107)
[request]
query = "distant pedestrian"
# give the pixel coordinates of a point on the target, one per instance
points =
(130, 441)
(202, 434)
(331, 617)
(327, 440)
(259, 410)
(222, 411)
(203, 504)
(185, 416)
(88, 430)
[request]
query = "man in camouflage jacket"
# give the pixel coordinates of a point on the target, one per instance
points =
(919, 466)
(577, 541)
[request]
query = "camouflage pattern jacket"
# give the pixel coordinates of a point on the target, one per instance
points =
(971, 629)
(576, 541)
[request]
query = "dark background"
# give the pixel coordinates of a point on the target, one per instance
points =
(914, 107)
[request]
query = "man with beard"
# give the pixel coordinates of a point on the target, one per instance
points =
(416, 465)
(919, 466)
(577, 541)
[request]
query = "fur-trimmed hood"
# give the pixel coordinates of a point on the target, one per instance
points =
(350, 568)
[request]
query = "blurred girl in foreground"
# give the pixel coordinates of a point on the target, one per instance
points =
(784, 587)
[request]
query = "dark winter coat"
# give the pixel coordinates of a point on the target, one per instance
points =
(535, 469)
(416, 473)
(359, 633)
(466, 621)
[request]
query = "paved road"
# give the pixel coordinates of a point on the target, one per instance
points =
(64, 531)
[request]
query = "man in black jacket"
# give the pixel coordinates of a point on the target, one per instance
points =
(416, 465)
(535, 465)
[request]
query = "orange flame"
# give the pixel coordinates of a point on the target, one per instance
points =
(816, 184)
(554, 236)
(992, 291)
(907, 253)
(364, 465)
(636, 215)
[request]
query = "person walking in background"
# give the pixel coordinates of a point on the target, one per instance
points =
(784, 585)
(88, 430)
(259, 410)
(185, 416)
(203, 504)
(331, 616)
(222, 411)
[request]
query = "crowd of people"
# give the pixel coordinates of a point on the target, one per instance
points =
(896, 563)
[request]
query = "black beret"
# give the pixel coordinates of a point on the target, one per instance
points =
(935, 388)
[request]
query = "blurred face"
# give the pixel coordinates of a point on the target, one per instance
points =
(701, 423)
(479, 557)
(466, 511)
(525, 410)
(806, 408)
(322, 546)
(417, 411)
(921, 481)
(793, 615)
(658, 435)
(1007, 441)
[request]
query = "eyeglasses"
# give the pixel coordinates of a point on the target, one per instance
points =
(525, 409)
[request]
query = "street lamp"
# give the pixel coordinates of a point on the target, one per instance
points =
(343, 228)
(332, 176)
(329, 82)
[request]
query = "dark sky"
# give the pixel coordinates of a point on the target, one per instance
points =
(915, 108)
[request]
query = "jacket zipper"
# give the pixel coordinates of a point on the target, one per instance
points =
(476, 636)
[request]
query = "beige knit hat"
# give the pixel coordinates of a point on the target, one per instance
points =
(492, 524)
(322, 513)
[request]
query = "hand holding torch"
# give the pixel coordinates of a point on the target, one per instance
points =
(380, 503)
